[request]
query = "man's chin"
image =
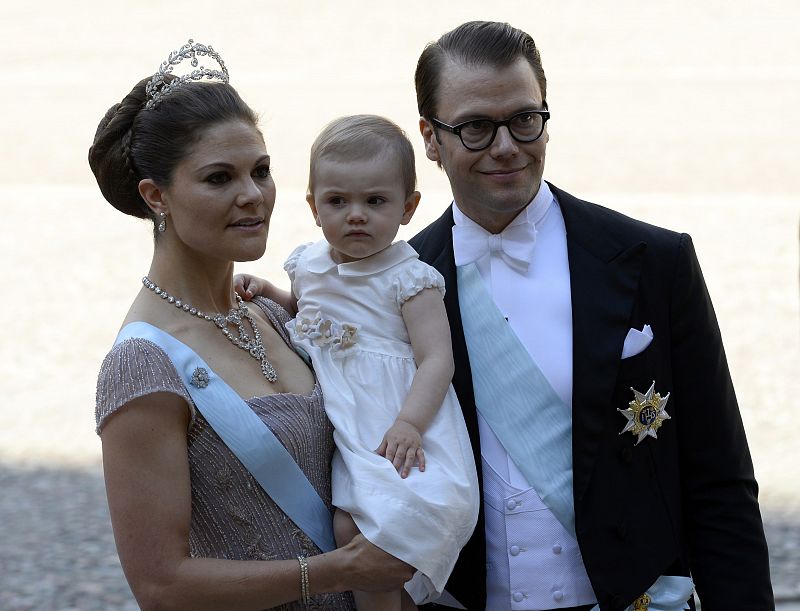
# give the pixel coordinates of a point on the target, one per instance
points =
(512, 202)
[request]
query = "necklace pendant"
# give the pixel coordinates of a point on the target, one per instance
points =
(235, 316)
(269, 371)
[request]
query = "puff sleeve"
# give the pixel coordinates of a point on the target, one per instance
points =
(415, 277)
(290, 265)
(135, 368)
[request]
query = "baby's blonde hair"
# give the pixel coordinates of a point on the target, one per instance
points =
(358, 137)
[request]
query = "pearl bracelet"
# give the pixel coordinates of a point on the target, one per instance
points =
(305, 589)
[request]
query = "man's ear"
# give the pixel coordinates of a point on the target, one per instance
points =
(153, 196)
(431, 143)
(410, 207)
(312, 204)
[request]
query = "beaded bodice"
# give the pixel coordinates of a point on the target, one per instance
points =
(232, 517)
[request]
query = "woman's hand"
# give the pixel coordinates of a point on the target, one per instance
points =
(368, 568)
(402, 446)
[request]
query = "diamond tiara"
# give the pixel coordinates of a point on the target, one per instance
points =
(157, 88)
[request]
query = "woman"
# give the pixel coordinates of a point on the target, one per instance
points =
(194, 528)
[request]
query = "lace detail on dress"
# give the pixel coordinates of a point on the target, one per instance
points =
(339, 337)
(416, 278)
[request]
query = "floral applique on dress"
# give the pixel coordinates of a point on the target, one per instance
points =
(326, 332)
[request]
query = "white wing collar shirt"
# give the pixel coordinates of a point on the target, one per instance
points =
(533, 563)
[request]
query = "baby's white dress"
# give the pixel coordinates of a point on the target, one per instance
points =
(349, 322)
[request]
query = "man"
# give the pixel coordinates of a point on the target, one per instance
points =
(612, 457)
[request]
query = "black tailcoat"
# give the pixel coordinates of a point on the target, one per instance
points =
(683, 503)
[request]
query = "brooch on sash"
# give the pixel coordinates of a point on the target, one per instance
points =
(645, 414)
(199, 378)
(642, 603)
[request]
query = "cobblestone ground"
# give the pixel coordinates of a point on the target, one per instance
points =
(57, 551)
(783, 535)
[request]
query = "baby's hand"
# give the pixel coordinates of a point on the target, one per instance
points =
(249, 286)
(402, 446)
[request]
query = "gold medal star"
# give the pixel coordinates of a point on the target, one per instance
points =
(645, 413)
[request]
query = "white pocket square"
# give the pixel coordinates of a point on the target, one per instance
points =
(636, 341)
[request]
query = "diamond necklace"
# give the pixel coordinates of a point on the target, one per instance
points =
(236, 316)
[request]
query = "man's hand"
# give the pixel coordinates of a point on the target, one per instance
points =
(402, 446)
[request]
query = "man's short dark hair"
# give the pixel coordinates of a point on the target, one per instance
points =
(475, 43)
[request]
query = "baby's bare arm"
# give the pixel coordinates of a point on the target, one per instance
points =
(429, 332)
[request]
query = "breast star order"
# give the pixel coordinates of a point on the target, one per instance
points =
(645, 413)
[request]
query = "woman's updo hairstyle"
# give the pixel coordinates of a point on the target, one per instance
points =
(133, 142)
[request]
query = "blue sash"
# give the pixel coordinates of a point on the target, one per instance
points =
(516, 400)
(668, 593)
(247, 437)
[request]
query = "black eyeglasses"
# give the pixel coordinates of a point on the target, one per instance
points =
(479, 134)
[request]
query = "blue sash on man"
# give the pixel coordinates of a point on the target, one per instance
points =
(524, 412)
(529, 418)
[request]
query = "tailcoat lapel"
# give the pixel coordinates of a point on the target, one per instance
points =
(604, 279)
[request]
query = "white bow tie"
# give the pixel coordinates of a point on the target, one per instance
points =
(515, 244)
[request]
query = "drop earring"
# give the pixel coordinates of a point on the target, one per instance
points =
(162, 226)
